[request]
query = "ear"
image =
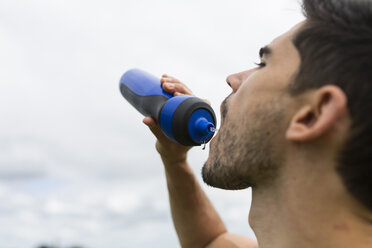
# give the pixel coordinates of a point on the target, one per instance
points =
(315, 119)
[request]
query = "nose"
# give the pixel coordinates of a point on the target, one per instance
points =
(235, 80)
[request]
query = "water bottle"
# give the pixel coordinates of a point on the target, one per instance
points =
(186, 120)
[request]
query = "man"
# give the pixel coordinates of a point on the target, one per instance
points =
(298, 130)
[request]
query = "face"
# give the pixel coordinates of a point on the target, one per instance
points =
(247, 149)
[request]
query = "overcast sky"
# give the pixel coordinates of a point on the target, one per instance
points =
(77, 166)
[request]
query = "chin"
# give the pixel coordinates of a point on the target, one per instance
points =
(222, 181)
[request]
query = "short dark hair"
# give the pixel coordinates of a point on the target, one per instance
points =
(335, 46)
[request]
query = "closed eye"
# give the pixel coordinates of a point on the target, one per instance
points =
(261, 64)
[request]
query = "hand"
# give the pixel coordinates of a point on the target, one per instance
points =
(169, 151)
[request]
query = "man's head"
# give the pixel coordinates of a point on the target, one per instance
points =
(312, 92)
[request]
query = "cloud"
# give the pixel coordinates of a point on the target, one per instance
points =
(77, 166)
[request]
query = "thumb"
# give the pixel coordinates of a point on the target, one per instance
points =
(155, 129)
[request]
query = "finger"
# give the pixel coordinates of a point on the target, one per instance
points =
(166, 78)
(169, 87)
(169, 79)
(172, 80)
(173, 88)
(148, 121)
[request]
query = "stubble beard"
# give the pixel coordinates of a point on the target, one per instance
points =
(242, 153)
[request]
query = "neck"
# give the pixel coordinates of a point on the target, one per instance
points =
(308, 206)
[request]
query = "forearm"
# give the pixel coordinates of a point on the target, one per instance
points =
(196, 221)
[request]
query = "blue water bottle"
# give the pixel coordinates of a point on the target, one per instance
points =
(186, 120)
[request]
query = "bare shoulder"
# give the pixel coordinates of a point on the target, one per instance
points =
(231, 240)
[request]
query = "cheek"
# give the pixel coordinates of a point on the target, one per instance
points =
(261, 86)
(245, 98)
(254, 92)
(255, 84)
(240, 107)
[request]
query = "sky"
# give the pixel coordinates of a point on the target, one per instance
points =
(77, 166)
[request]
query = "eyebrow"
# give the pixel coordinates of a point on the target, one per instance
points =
(265, 51)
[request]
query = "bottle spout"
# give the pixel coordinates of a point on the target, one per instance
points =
(204, 128)
(213, 129)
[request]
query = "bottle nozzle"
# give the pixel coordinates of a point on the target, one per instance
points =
(201, 126)
(204, 127)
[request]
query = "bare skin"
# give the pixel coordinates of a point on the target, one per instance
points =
(196, 221)
(301, 201)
